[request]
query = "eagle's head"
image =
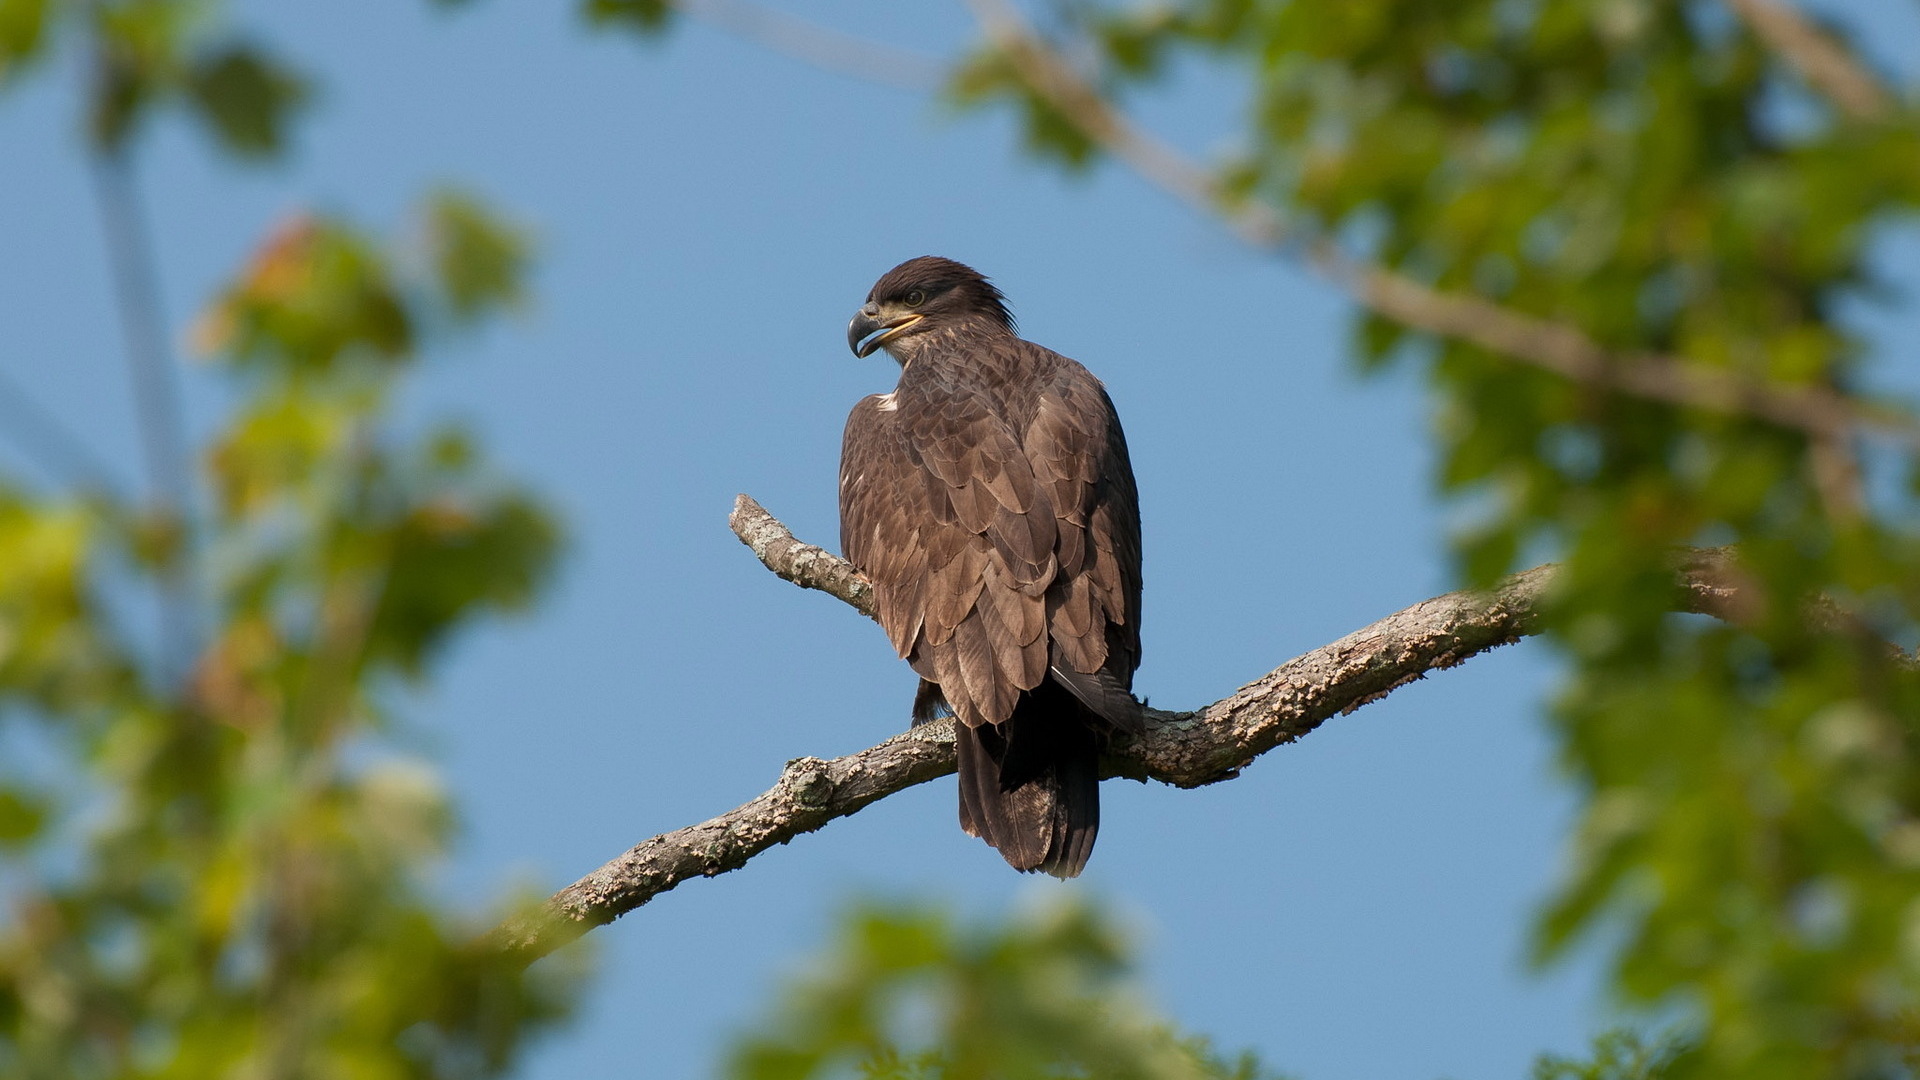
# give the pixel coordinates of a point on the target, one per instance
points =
(920, 295)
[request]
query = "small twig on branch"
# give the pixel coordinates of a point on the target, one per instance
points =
(1824, 63)
(801, 563)
(1551, 346)
(1185, 749)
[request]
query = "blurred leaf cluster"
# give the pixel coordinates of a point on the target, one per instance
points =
(1653, 175)
(231, 871)
(910, 993)
(144, 54)
(646, 18)
(228, 870)
(1617, 1055)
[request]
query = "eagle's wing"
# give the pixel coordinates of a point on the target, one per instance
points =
(884, 510)
(995, 553)
(1079, 453)
(938, 506)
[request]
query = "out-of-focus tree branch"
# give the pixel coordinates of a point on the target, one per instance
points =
(1828, 417)
(1184, 749)
(1551, 346)
(49, 441)
(820, 46)
(162, 419)
(1827, 65)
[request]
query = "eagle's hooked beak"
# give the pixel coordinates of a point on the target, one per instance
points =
(867, 332)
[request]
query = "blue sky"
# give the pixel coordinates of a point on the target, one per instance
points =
(708, 216)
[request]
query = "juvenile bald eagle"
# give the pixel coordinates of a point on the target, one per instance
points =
(990, 500)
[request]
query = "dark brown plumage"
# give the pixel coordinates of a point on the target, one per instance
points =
(990, 500)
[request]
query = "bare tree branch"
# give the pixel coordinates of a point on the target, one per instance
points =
(143, 325)
(1551, 346)
(1824, 414)
(809, 793)
(1185, 749)
(1824, 63)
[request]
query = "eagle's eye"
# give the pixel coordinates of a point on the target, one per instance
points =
(915, 298)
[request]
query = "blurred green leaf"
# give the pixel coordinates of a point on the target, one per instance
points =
(146, 54)
(452, 557)
(23, 26)
(246, 98)
(1617, 1055)
(645, 17)
(990, 75)
(254, 893)
(22, 813)
(480, 260)
(137, 56)
(317, 294)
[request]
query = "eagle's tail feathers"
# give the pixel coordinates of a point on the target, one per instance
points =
(979, 783)
(1035, 799)
(1078, 820)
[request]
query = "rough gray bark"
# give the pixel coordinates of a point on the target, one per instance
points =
(1185, 749)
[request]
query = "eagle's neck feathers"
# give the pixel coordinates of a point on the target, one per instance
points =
(975, 341)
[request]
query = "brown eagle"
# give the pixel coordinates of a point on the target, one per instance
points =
(990, 500)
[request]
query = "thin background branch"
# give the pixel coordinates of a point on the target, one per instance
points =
(1827, 66)
(820, 46)
(1828, 417)
(46, 439)
(1844, 79)
(143, 326)
(1551, 346)
(157, 398)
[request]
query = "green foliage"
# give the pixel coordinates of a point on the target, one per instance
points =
(1048, 129)
(22, 813)
(1617, 1055)
(234, 877)
(1652, 175)
(318, 298)
(909, 994)
(245, 97)
(479, 261)
(149, 53)
(230, 873)
(22, 22)
(646, 18)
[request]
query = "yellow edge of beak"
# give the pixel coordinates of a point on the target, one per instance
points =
(896, 328)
